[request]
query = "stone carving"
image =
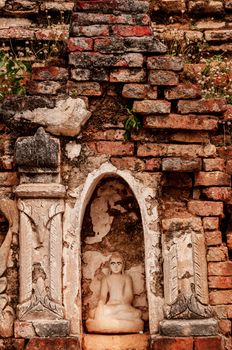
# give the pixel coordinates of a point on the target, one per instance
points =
(185, 275)
(41, 247)
(9, 209)
(114, 312)
(37, 152)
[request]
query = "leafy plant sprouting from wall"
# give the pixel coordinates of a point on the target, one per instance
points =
(12, 74)
(132, 123)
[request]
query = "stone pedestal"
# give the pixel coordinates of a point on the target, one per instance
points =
(116, 342)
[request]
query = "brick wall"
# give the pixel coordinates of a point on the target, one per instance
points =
(165, 65)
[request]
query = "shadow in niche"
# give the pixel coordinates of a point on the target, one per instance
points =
(226, 229)
(112, 223)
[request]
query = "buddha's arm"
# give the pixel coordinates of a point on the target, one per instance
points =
(104, 291)
(128, 291)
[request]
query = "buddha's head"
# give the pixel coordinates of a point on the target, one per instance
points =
(116, 263)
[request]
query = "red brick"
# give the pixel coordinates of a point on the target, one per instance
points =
(8, 179)
(80, 44)
(217, 254)
(183, 91)
(90, 31)
(205, 208)
(211, 224)
(227, 116)
(165, 63)
(213, 238)
(208, 343)
(153, 164)
(185, 122)
(139, 91)
(113, 148)
(220, 269)
(214, 164)
(202, 106)
(220, 297)
(128, 75)
(214, 35)
(213, 178)
(172, 150)
(152, 106)
(84, 88)
(229, 167)
(190, 137)
(220, 282)
(125, 30)
(224, 327)
(53, 344)
(107, 135)
(101, 18)
(51, 34)
(181, 164)
(49, 73)
(111, 5)
(12, 344)
(172, 343)
(218, 193)
(162, 77)
(45, 87)
(128, 163)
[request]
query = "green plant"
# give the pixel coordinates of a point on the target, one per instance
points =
(12, 74)
(132, 123)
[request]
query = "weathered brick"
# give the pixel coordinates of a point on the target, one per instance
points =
(211, 343)
(125, 30)
(185, 122)
(217, 254)
(190, 137)
(10, 343)
(181, 164)
(84, 88)
(110, 6)
(101, 18)
(152, 106)
(172, 343)
(213, 238)
(183, 91)
(220, 282)
(214, 164)
(209, 7)
(90, 31)
(211, 224)
(53, 343)
(205, 208)
(128, 163)
(128, 75)
(107, 135)
(59, 34)
(45, 87)
(202, 106)
(229, 166)
(220, 269)
(224, 326)
(174, 150)
(173, 6)
(218, 35)
(49, 73)
(8, 178)
(139, 91)
(113, 148)
(213, 178)
(80, 44)
(221, 297)
(16, 33)
(92, 59)
(153, 164)
(165, 63)
(218, 193)
(97, 74)
(162, 77)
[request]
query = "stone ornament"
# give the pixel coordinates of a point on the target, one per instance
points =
(114, 312)
(185, 271)
(9, 209)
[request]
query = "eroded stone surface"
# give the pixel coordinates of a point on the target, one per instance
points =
(187, 328)
(66, 118)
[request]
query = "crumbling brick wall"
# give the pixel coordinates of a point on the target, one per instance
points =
(163, 70)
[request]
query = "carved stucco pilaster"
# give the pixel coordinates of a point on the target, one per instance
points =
(185, 269)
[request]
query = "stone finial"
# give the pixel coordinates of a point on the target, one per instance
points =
(38, 153)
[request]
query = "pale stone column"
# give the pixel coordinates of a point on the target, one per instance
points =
(41, 205)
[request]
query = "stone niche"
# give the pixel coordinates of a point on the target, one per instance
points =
(112, 222)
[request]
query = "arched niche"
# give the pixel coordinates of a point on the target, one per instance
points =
(144, 188)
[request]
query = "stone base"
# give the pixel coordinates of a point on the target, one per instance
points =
(116, 342)
(112, 326)
(41, 328)
(186, 328)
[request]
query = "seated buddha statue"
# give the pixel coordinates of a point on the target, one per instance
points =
(114, 312)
